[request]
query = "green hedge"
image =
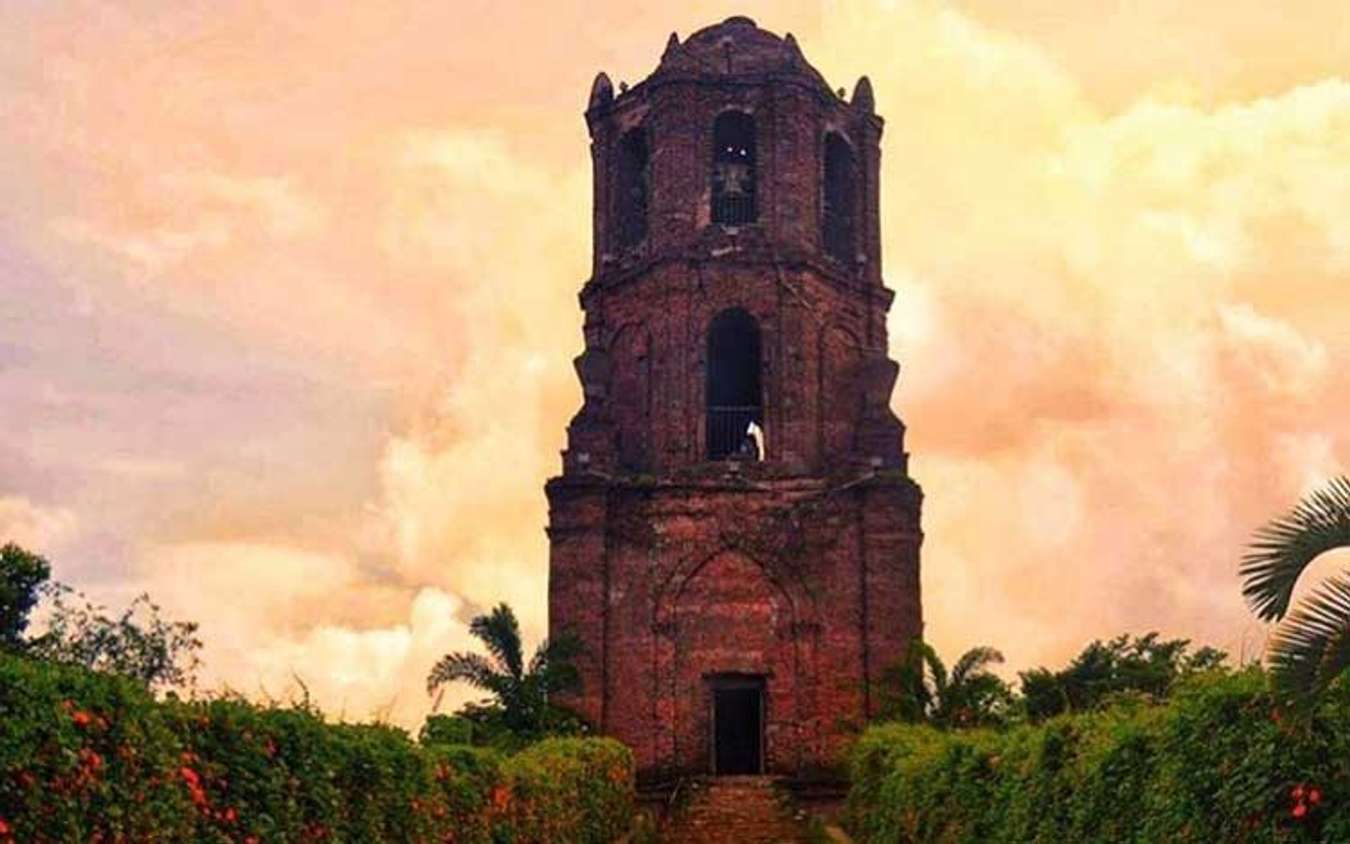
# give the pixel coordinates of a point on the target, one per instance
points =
(93, 758)
(1218, 762)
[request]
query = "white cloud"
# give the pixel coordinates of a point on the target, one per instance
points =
(41, 530)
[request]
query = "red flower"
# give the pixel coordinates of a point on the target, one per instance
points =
(194, 787)
(1314, 795)
(82, 718)
(4, 827)
(1296, 792)
(1300, 810)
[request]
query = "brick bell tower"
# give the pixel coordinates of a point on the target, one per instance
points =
(735, 535)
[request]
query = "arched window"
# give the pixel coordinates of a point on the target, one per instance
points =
(630, 206)
(735, 410)
(733, 173)
(841, 200)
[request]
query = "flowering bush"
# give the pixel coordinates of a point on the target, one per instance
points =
(1219, 761)
(93, 757)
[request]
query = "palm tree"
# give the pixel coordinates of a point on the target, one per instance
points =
(520, 695)
(919, 688)
(1311, 645)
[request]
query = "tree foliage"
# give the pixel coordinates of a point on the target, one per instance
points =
(1145, 664)
(919, 689)
(521, 705)
(21, 577)
(138, 642)
(1311, 645)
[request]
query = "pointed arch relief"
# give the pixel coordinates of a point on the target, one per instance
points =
(794, 604)
(724, 615)
(840, 391)
(630, 388)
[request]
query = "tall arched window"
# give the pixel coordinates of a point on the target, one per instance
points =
(734, 398)
(841, 200)
(733, 173)
(630, 194)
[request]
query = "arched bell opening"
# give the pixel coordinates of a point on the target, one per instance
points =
(733, 173)
(839, 223)
(631, 189)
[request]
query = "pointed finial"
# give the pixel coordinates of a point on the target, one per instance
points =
(602, 92)
(862, 96)
(672, 44)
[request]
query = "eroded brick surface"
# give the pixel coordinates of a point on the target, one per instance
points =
(801, 569)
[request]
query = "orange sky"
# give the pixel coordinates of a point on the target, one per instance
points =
(290, 305)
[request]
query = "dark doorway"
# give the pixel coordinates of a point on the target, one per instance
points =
(733, 385)
(738, 726)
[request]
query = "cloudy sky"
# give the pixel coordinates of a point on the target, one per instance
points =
(288, 305)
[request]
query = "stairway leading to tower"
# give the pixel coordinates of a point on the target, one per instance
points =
(734, 810)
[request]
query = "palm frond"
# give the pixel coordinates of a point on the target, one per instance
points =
(973, 664)
(564, 648)
(1311, 647)
(500, 633)
(926, 655)
(466, 667)
(554, 664)
(1281, 550)
(905, 689)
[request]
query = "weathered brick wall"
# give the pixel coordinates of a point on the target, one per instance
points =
(813, 586)
(802, 568)
(814, 344)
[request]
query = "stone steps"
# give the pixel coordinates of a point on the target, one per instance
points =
(733, 810)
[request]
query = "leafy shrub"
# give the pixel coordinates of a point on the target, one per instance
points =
(1219, 761)
(82, 753)
(93, 757)
(446, 729)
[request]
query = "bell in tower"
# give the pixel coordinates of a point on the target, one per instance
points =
(734, 535)
(733, 176)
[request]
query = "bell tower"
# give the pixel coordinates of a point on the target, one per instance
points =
(734, 535)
